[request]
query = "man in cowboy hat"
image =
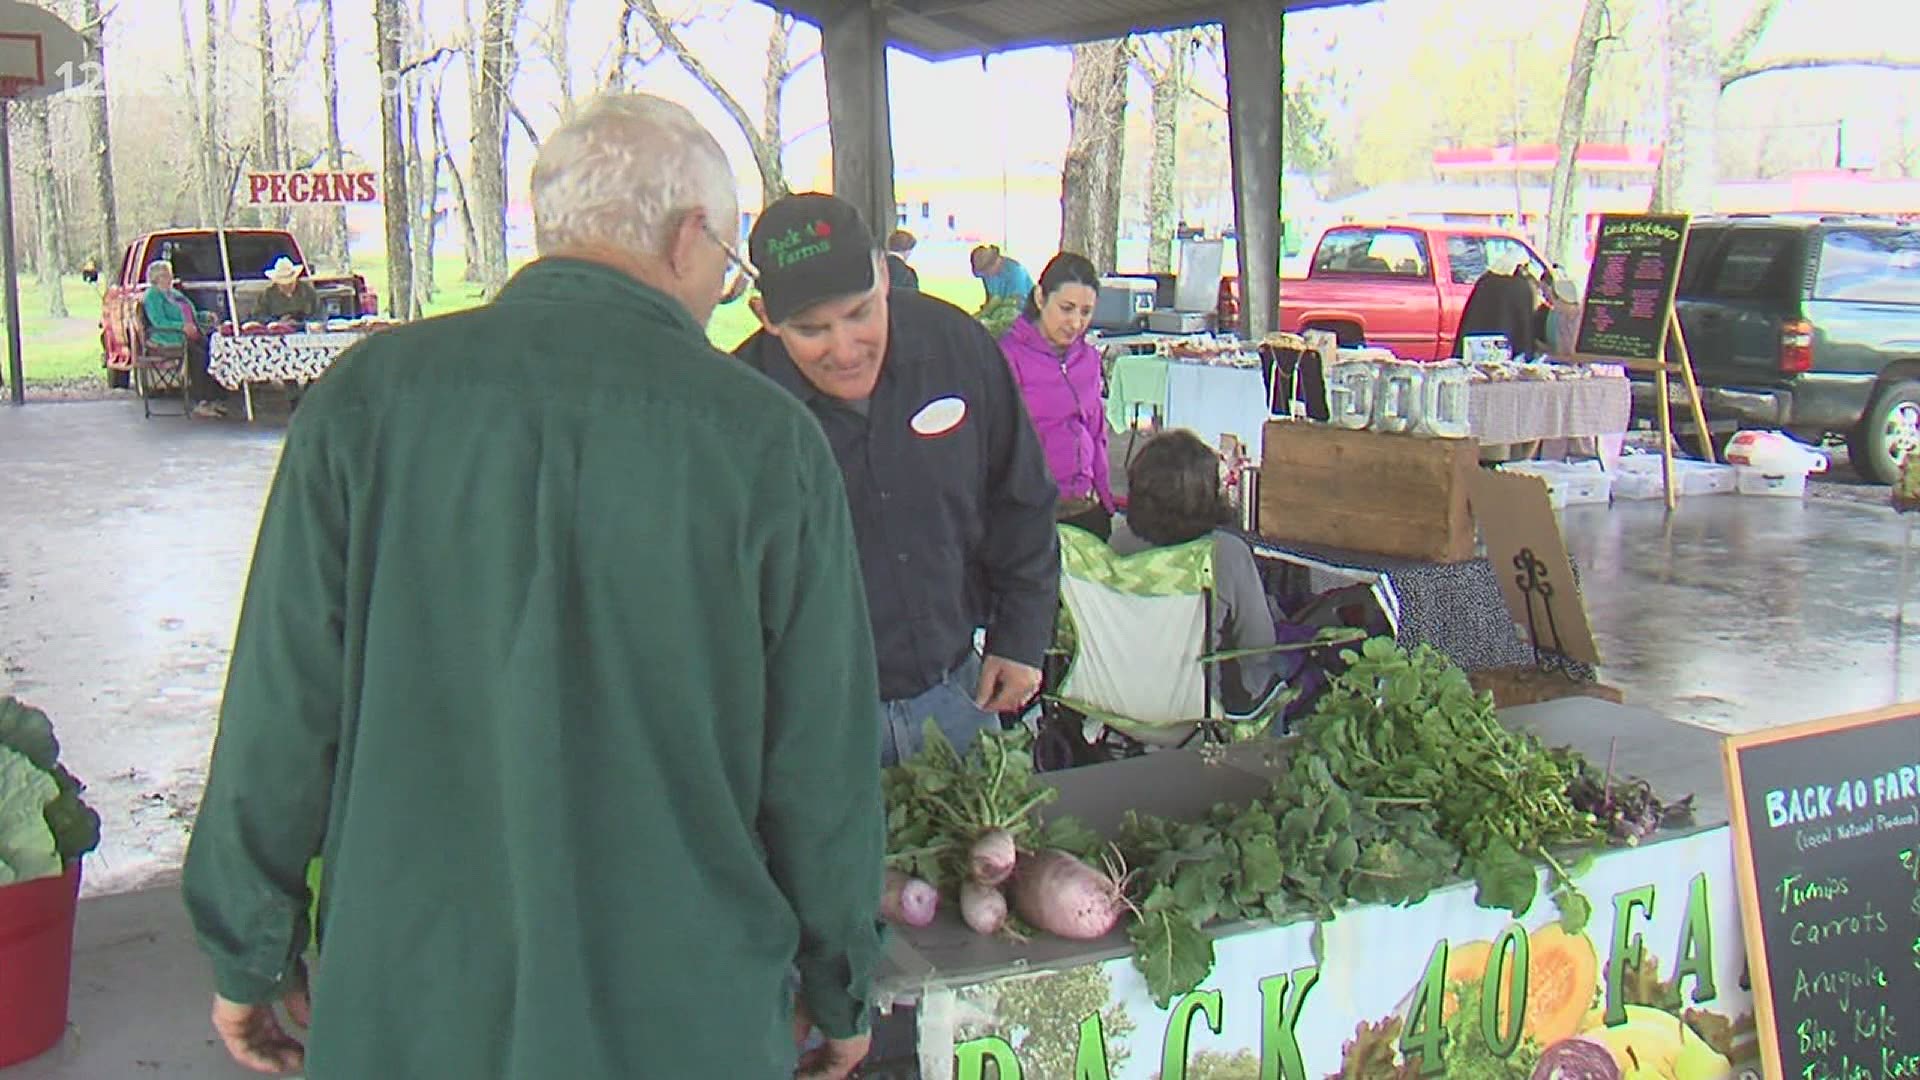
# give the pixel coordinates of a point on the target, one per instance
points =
(290, 297)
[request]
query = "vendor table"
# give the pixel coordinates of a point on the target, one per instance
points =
(1524, 410)
(238, 361)
(1210, 400)
(1302, 990)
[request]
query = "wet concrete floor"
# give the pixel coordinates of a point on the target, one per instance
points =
(124, 545)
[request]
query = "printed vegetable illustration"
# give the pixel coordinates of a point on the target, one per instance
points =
(1577, 1058)
(1561, 975)
(1655, 1045)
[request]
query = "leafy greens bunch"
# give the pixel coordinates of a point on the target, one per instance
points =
(1402, 780)
(44, 824)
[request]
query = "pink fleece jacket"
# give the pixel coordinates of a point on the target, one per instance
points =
(1062, 395)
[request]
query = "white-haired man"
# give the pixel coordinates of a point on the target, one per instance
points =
(555, 649)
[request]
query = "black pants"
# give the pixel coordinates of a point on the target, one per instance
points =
(1096, 521)
(200, 382)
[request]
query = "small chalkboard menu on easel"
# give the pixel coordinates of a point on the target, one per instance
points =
(1628, 316)
(1826, 841)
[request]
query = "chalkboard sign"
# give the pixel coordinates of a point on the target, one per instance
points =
(1630, 288)
(1826, 833)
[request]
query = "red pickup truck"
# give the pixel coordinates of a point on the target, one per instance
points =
(198, 272)
(1401, 287)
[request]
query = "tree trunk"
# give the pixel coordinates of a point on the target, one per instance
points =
(489, 169)
(99, 136)
(1563, 239)
(216, 169)
(421, 207)
(771, 154)
(269, 155)
(202, 183)
(427, 236)
(1090, 180)
(459, 186)
(389, 30)
(47, 219)
(560, 55)
(336, 159)
(1169, 97)
(1687, 172)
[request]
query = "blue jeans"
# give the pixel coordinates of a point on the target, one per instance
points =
(948, 702)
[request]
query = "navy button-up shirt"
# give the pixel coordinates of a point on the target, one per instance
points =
(953, 506)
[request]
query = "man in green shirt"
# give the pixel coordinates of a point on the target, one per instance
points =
(554, 647)
(289, 297)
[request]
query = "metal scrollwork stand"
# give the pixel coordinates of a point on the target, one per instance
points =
(1534, 583)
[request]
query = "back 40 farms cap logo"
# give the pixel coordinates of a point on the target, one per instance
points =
(797, 246)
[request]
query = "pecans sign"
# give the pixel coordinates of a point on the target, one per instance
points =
(316, 188)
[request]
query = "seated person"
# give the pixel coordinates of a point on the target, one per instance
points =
(290, 297)
(1173, 496)
(173, 321)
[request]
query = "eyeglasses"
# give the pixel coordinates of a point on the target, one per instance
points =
(745, 276)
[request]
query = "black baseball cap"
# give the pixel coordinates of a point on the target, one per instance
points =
(810, 248)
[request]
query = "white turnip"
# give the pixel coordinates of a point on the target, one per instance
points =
(993, 856)
(908, 901)
(1058, 893)
(984, 908)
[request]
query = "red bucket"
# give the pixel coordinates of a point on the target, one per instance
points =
(36, 963)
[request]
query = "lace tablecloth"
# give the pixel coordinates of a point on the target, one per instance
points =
(235, 361)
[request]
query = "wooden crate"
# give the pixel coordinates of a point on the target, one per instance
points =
(1364, 491)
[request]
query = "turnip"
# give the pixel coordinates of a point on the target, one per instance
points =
(908, 901)
(1058, 893)
(993, 856)
(984, 908)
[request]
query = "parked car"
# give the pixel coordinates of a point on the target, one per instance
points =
(1807, 324)
(198, 272)
(1398, 286)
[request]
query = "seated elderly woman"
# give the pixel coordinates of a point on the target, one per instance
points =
(1174, 496)
(173, 321)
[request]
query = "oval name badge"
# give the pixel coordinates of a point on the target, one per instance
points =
(938, 417)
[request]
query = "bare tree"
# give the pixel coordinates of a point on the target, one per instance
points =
(493, 67)
(554, 36)
(389, 28)
(1687, 171)
(92, 26)
(270, 105)
(1096, 148)
(764, 139)
(47, 218)
(459, 185)
(1573, 125)
(422, 175)
(1163, 60)
(336, 158)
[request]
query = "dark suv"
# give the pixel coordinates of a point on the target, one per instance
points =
(1810, 325)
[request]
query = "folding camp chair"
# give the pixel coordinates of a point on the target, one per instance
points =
(1132, 667)
(157, 369)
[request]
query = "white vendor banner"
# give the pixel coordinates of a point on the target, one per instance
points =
(1653, 986)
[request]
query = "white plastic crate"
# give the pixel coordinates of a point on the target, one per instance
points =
(1699, 478)
(1639, 484)
(1568, 483)
(1753, 481)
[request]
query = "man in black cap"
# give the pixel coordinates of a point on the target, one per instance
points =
(951, 497)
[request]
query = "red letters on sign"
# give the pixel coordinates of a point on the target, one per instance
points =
(311, 188)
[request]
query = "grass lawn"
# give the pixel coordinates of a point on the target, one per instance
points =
(67, 351)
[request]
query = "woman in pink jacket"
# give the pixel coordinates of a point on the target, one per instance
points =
(1059, 377)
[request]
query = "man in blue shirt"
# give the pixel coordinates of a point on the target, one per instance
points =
(1003, 276)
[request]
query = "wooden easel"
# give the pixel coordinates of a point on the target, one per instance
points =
(1664, 396)
(1634, 244)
